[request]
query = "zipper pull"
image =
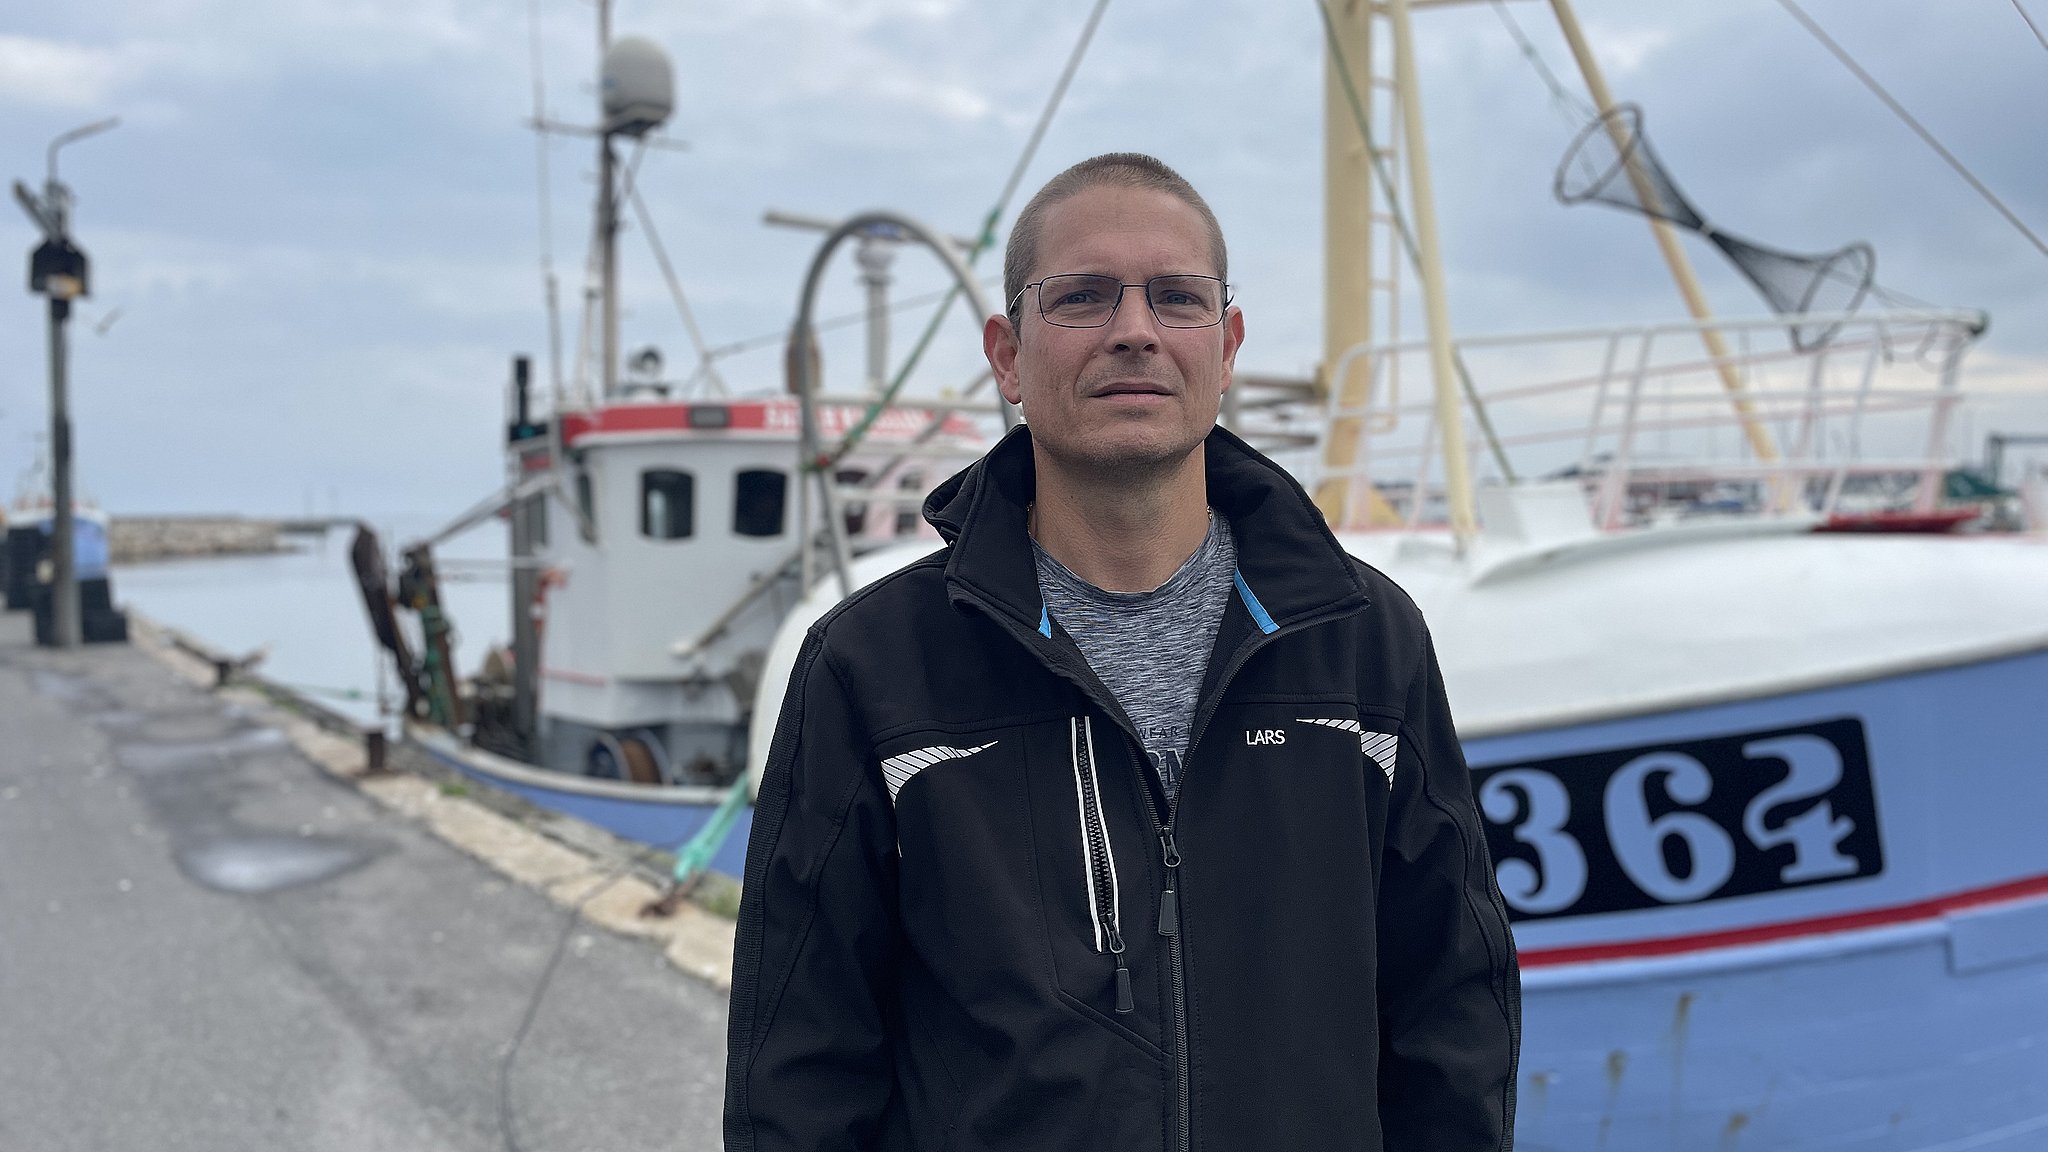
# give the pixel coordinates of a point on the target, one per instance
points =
(1169, 900)
(1124, 1001)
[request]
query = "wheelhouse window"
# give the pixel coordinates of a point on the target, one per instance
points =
(668, 502)
(759, 495)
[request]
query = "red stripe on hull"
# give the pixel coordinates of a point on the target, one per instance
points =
(772, 418)
(1789, 929)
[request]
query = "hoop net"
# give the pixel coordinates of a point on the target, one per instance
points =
(1611, 162)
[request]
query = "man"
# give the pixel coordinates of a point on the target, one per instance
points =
(1135, 818)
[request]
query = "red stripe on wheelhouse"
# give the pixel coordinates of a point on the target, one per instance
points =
(1789, 929)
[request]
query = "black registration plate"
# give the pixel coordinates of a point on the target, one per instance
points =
(1683, 822)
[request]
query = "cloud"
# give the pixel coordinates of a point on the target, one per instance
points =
(319, 218)
(54, 74)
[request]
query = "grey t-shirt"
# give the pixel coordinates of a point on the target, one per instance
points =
(1150, 648)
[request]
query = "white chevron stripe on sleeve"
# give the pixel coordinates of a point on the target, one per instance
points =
(1378, 745)
(898, 769)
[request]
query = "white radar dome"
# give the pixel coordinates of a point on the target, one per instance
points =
(639, 86)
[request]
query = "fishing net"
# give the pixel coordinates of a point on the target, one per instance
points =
(1611, 161)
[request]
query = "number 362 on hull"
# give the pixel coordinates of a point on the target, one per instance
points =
(1680, 823)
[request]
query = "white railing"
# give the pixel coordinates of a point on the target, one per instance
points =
(1643, 419)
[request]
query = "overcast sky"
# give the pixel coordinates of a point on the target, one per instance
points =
(316, 237)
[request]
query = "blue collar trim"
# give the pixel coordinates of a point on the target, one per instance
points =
(1252, 605)
(1044, 622)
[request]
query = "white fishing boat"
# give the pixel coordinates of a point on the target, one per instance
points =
(661, 529)
(1754, 710)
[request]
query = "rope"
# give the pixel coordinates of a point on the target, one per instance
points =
(1899, 110)
(506, 1129)
(982, 242)
(1575, 110)
(696, 853)
(1400, 221)
(321, 690)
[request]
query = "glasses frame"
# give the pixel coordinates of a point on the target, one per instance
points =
(1222, 310)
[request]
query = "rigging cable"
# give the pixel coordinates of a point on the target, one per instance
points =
(630, 185)
(1575, 110)
(2035, 28)
(771, 339)
(547, 243)
(1052, 105)
(705, 367)
(982, 242)
(1899, 110)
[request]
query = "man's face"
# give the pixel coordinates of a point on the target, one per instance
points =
(1133, 395)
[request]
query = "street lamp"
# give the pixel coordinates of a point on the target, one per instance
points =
(58, 269)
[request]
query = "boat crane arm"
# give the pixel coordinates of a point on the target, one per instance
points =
(488, 507)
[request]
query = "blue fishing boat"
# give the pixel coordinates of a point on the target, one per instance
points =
(1754, 706)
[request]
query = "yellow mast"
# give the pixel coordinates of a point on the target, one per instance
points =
(1450, 416)
(1667, 238)
(1347, 244)
(1348, 285)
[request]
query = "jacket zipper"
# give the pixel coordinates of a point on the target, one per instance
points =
(1099, 858)
(1169, 900)
(1164, 830)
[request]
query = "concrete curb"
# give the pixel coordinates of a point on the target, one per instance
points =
(695, 941)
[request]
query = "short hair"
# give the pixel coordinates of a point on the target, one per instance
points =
(1113, 170)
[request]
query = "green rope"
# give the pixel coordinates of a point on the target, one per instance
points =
(321, 690)
(881, 403)
(696, 854)
(440, 678)
(1386, 180)
(982, 243)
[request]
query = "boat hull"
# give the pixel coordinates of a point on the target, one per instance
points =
(662, 817)
(1902, 1005)
(1896, 1000)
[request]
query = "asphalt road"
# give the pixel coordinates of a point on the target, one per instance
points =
(208, 945)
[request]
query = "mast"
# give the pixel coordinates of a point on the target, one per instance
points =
(1450, 416)
(1347, 245)
(1667, 238)
(607, 223)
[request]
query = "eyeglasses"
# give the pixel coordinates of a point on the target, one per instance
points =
(1084, 300)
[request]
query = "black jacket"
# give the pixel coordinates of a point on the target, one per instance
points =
(971, 921)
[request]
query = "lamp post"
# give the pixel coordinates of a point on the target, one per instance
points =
(58, 269)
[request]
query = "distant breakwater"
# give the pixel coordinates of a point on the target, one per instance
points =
(136, 539)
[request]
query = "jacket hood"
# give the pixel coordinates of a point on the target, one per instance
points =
(1286, 554)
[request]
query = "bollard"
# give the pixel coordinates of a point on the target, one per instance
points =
(373, 749)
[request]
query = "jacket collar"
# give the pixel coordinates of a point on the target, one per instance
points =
(1287, 560)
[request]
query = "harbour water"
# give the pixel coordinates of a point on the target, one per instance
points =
(304, 608)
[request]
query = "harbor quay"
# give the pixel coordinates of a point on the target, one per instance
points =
(208, 940)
